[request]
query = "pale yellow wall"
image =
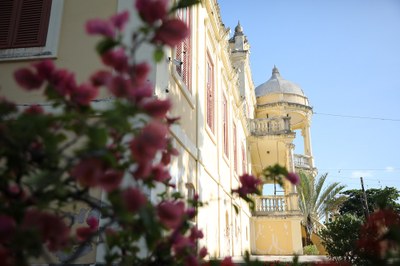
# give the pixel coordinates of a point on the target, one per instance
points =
(276, 236)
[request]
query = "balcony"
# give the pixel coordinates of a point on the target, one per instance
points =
(302, 161)
(269, 126)
(271, 205)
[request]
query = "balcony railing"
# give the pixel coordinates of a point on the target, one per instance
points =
(276, 205)
(269, 126)
(302, 161)
(271, 204)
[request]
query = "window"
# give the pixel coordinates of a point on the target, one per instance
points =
(183, 51)
(225, 125)
(244, 159)
(29, 28)
(235, 161)
(24, 23)
(210, 94)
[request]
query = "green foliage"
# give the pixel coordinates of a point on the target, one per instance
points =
(310, 250)
(315, 200)
(376, 198)
(340, 237)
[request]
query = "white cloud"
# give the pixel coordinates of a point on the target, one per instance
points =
(390, 169)
(358, 174)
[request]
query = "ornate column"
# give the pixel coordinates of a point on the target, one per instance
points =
(305, 132)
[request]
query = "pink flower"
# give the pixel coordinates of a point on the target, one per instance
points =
(120, 86)
(227, 261)
(45, 68)
(171, 32)
(133, 199)
(182, 244)
(152, 139)
(119, 20)
(63, 81)
(143, 170)
(166, 155)
(293, 178)
(203, 252)
(84, 233)
(101, 78)
(152, 10)
(53, 231)
(100, 27)
(249, 185)
(34, 110)
(117, 59)
(157, 108)
(27, 79)
(142, 92)
(140, 72)
(84, 94)
(160, 173)
(7, 228)
(110, 180)
(88, 171)
(93, 222)
(171, 213)
(195, 234)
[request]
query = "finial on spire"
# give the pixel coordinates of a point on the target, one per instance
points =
(275, 71)
(238, 29)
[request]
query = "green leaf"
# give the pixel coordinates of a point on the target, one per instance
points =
(158, 54)
(98, 137)
(105, 45)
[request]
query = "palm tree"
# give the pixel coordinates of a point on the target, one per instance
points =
(315, 200)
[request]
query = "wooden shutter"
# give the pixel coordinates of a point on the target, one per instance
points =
(235, 161)
(225, 125)
(24, 24)
(7, 15)
(183, 51)
(210, 96)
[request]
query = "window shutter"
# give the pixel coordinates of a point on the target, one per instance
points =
(7, 11)
(186, 63)
(234, 148)
(225, 125)
(178, 56)
(24, 23)
(32, 23)
(210, 96)
(183, 51)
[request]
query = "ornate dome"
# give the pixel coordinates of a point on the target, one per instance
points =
(276, 84)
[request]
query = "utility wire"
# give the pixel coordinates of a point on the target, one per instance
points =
(360, 117)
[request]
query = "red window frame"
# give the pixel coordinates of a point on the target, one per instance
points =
(225, 127)
(210, 94)
(24, 23)
(183, 51)
(235, 160)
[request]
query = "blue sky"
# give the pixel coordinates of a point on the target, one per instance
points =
(345, 55)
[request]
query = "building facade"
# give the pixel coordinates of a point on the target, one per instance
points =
(227, 126)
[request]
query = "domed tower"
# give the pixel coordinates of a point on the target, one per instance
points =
(281, 109)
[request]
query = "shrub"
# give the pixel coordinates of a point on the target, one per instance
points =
(310, 250)
(340, 238)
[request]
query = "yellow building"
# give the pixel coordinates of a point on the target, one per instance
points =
(227, 126)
